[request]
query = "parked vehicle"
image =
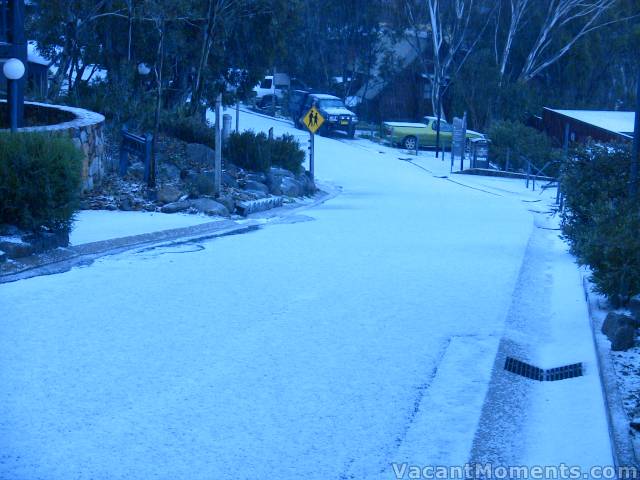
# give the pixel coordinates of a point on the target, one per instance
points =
(336, 115)
(268, 88)
(410, 135)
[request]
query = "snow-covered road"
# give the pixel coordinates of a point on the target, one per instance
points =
(326, 348)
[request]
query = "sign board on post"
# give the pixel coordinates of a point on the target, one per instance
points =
(313, 120)
(458, 140)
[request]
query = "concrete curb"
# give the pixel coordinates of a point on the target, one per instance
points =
(621, 442)
(63, 259)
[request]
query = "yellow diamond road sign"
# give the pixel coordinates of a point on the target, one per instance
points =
(313, 120)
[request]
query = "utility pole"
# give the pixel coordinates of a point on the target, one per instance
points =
(635, 151)
(438, 123)
(217, 170)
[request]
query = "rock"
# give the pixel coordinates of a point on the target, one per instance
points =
(125, 203)
(615, 320)
(253, 185)
(229, 181)
(256, 177)
(3, 256)
(635, 423)
(255, 194)
(175, 207)
(308, 185)
(231, 169)
(168, 194)
(290, 187)
(209, 206)
(228, 201)
(169, 171)
(14, 247)
(634, 306)
(203, 184)
(274, 179)
(200, 154)
(623, 338)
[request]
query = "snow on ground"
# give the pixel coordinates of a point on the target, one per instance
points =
(325, 349)
(96, 225)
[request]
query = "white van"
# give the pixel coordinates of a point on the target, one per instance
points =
(267, 88)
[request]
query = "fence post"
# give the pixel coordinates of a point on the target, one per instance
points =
(506, 169)
(528, 172)
(124, 155)
(148, 142)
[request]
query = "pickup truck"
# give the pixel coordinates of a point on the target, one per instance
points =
(410, 135)
(336, 115)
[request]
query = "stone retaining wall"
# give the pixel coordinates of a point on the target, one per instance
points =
(85, 129)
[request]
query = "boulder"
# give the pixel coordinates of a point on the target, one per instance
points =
(615, 320)
(621, 330)
(208, 206)
(231, 169)
(16, 248)
(290, 187)
(169, 171)
(229, 180)
(255, 194)
(623, 338)
(175, 207)
(275, 176)
(200, 154)
(256, 177)
(308, 185)
(168, 194)
(203, 184)
(3, 256)
(634, 306)
(125, 203)
(253, 185)
(228, 201)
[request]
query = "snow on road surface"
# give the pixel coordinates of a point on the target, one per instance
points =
(324, 349)
(96, 225)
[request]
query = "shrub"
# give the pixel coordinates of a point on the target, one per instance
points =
(286, 153)
(39, 180)
(516, 140)
(256, 152)
(600, 221)
(188, 129)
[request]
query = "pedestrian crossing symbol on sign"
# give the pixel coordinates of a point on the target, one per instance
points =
(313, 120)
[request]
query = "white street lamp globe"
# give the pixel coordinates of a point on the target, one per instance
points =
(143, 69)
(13, 69)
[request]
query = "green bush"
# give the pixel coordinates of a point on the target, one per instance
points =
(517, 142)
(286, 153)
(40, 177)
(256, 152)
(600, 221)
(188, 129)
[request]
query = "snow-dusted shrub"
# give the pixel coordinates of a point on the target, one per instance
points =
(39, 180)
(601, 221)
(188, 129)
(255, 152)
(517, 142)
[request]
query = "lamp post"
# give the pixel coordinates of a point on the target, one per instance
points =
(13, 70)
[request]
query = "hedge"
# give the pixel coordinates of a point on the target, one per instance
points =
(601, 221)
(40, 180)
(256, 152)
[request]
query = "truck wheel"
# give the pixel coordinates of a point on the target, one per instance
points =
(410, 142)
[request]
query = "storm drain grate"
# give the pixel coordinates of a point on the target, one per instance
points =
(550, 375)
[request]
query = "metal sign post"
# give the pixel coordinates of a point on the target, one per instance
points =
(313, 120)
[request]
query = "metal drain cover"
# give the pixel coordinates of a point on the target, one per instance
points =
(524, 369)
